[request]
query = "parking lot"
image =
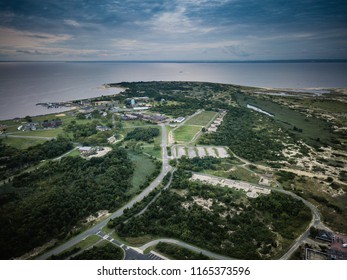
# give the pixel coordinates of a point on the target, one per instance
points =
(199, 151)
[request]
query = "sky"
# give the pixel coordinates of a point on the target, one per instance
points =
(63, 30)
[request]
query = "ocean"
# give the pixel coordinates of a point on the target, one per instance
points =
(23, 84)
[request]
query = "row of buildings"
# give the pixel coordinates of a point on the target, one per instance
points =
(155, 118)
(32, 126)
(217, 122)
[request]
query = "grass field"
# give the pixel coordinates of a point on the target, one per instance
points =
(22, 143)
(43, 133)
(202, 119)
(143, 168)
(74, 153)
(84, 244)
(151, 150)
(185, 133)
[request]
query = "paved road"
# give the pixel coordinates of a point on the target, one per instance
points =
(185, 245)
(98, 227)
(129, 252)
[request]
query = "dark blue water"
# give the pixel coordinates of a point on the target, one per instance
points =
(23, 84)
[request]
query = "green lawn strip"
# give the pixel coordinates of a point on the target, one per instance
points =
(238, 173)
(176, 252)
(82, 245)
(22, 143)
(186, 133)
(202, 119)
(42, 133)
(144, 167)
(74, 153)
(152, 151)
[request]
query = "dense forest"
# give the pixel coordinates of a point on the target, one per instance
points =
(197, 164)
(105, 252)
(13, 160)
(143, 134)
(48, 203)
(232, 224)
(248, 135)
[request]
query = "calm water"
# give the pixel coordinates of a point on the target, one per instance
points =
(22, 85)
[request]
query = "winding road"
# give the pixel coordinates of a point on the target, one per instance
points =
(98, 227)
(138, 253)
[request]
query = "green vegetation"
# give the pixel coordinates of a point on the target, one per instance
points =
(312, 130)
(22, 143)
(202, 119)
(105, 251)
(13, 160)
(143, 134)
(54, 132)
(249, 135)
(199, 164)
(178, 253)
(271, 222)
(84, 244)
(59, 196)
(144, 167)
(234, 173)
(185, 133)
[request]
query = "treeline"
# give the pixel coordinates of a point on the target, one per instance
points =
(50, 202)
(143, 134)
(232, 225)
(249, 135)
(105, 252)
(81, 131)
(12, 160)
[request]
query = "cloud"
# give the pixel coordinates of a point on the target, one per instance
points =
(236, 50)
(13, 38)
(72, 23)
(177, 22)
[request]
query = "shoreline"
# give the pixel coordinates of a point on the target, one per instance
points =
(290, 92)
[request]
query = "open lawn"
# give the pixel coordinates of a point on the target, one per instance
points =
(185, 133)
(22, 143)
(144, 167)
(202, 119)
(235, 173)
(135, 123)
(42, 133)
(153, 151)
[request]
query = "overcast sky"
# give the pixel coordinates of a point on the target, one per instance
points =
(172, 29)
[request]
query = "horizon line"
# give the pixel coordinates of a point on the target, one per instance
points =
(185, 61)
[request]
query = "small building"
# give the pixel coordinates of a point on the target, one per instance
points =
(87, 151)
(141, 108)
(102, 128)
(28, 126)
(112, 139)
(132, 102)
(325, 236)
(179, 120)
(52, 123)
(3, 127)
